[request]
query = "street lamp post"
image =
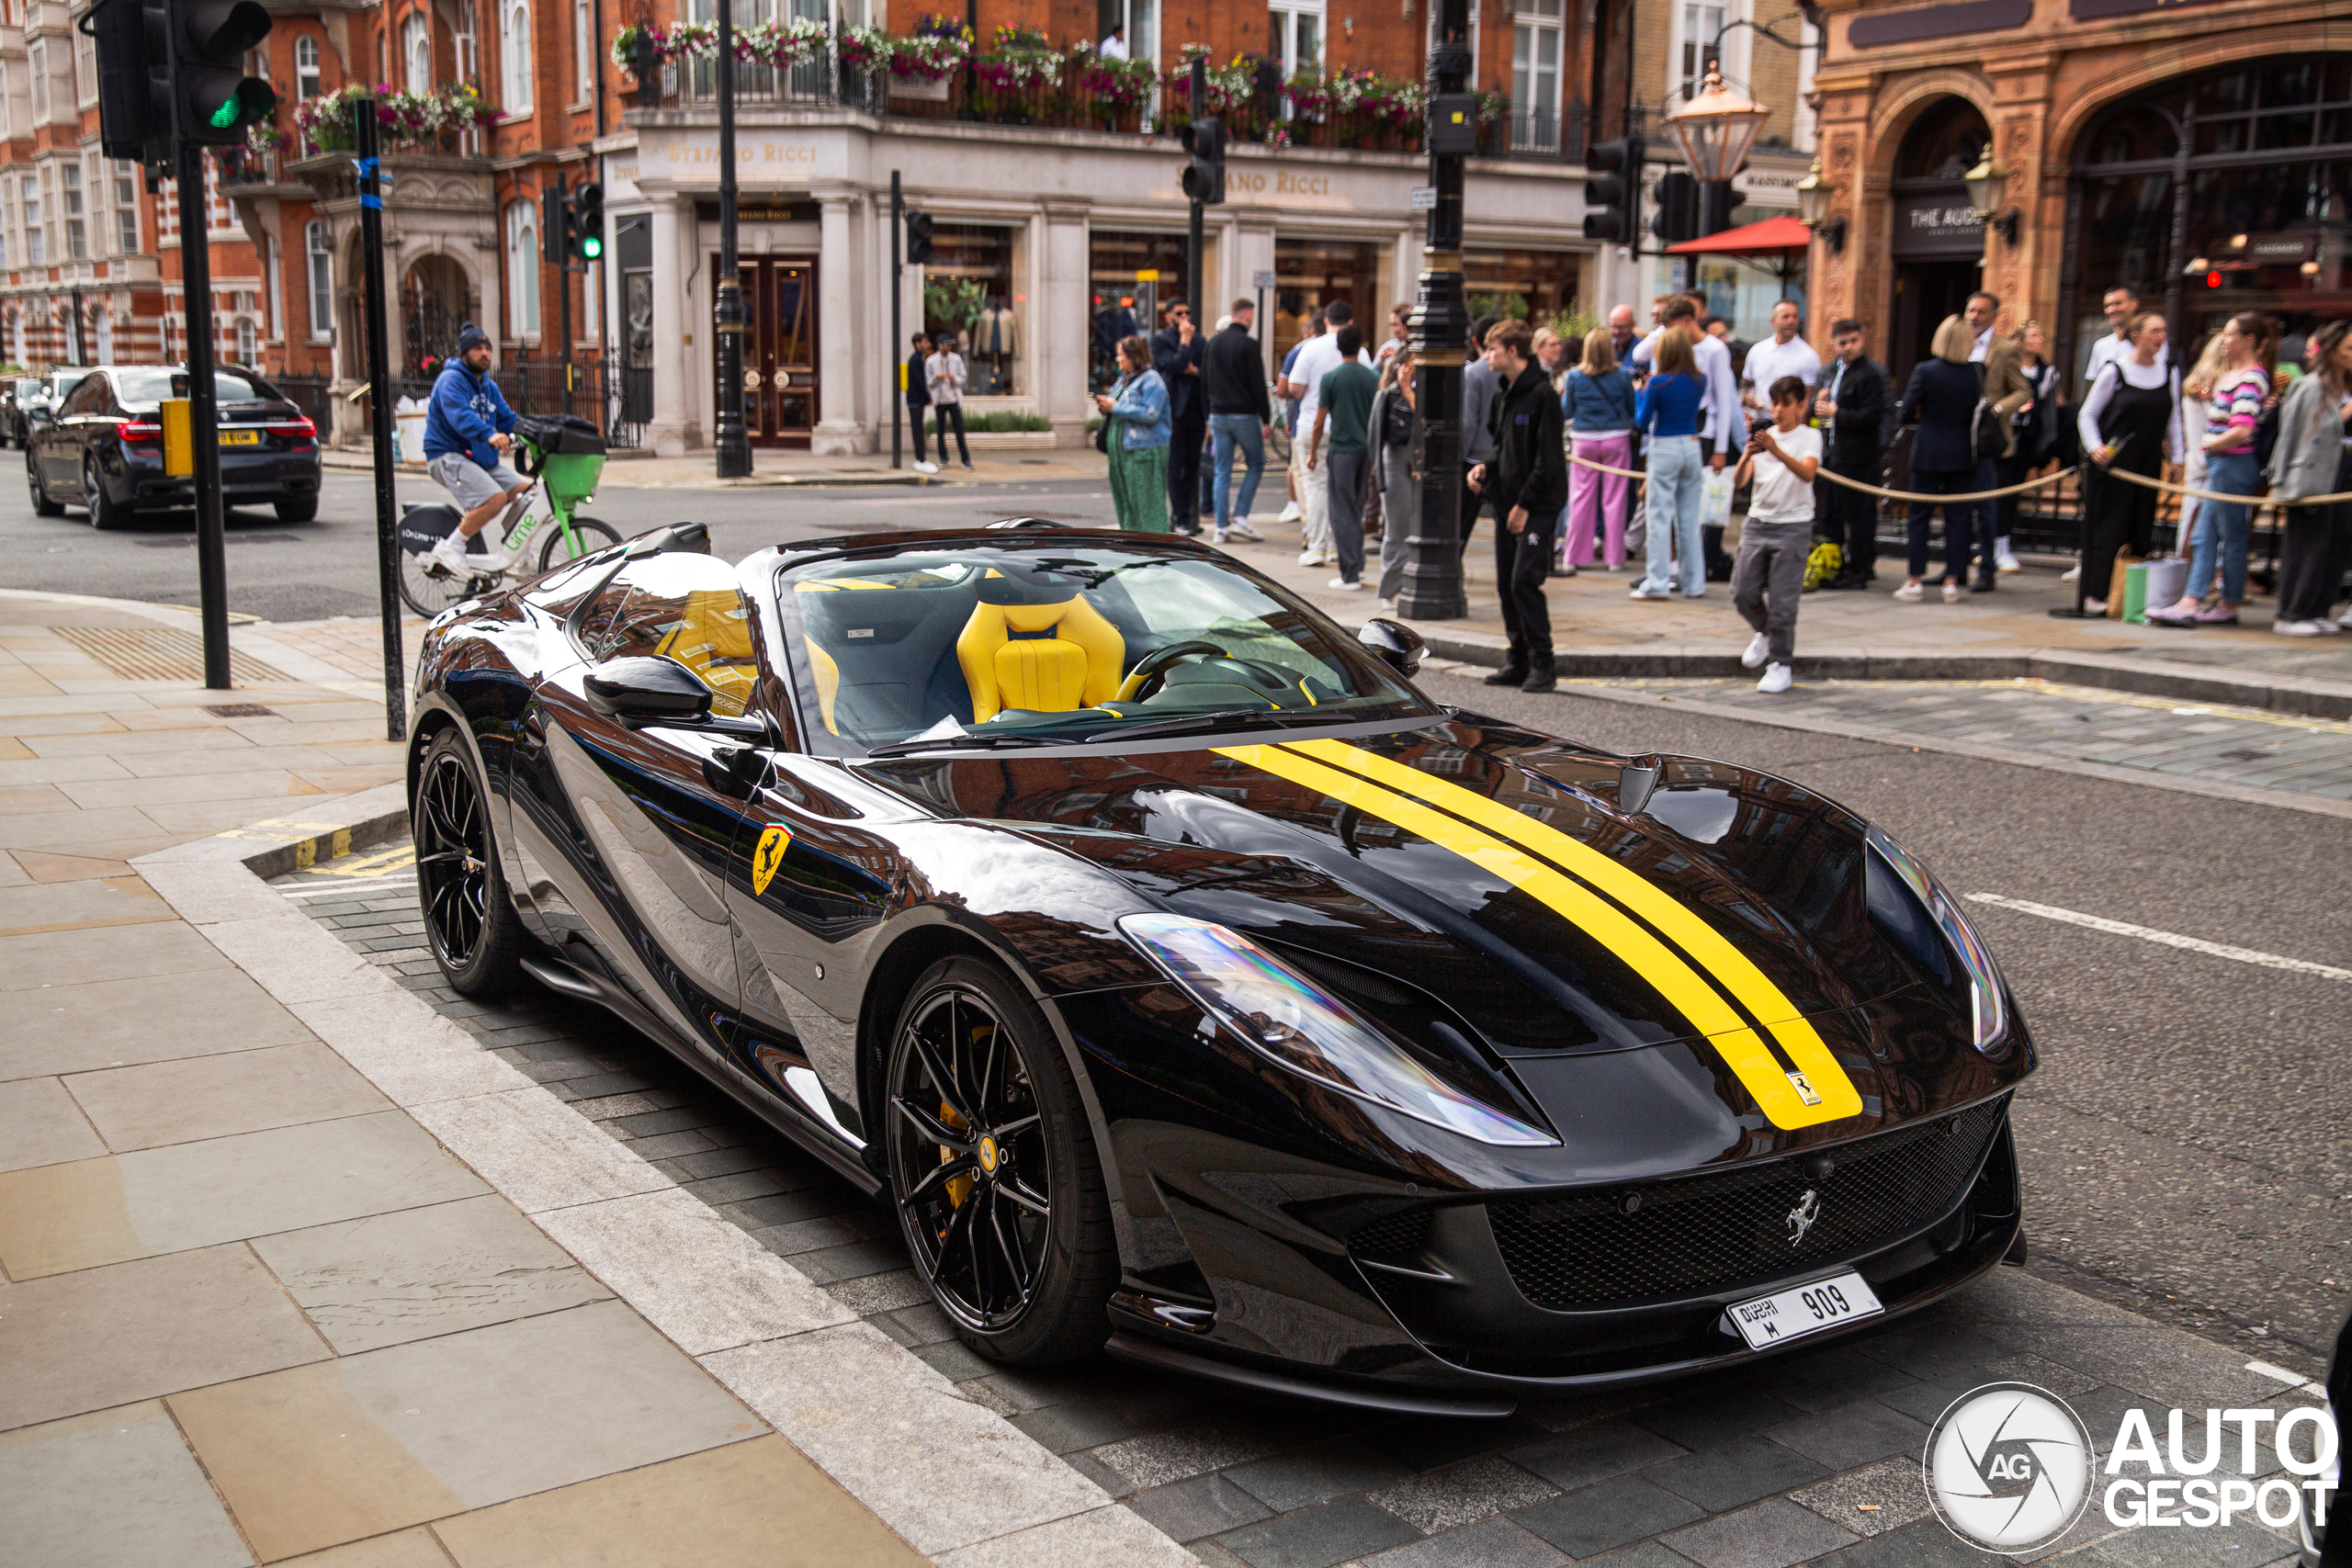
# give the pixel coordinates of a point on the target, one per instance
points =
(1441, 326)
(728, 430)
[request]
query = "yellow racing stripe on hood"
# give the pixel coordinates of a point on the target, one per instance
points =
(1729, 967)
(1742, 1049)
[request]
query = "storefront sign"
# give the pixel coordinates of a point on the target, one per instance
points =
(1936, 224)
(2271, 250)
(687, 158)
(1279, 187)
(1951, 20)
(762, 211)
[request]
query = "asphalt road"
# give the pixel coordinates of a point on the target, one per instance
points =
(2183, 1142)
(302, 571)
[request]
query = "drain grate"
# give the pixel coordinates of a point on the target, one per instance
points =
(240, 710)
(2243, 756)
(159, 653)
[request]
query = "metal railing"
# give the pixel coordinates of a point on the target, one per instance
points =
(530, 386)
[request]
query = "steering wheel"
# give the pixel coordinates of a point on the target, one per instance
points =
(1152, 668)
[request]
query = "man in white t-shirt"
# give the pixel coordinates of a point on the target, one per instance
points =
(1782, 353)
(1114, 47)
(1318, 358)
(1767, 580)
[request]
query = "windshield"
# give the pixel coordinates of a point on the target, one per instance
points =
(143, 384)
(1061, 641)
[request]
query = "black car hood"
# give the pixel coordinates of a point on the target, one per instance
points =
(1435, 897)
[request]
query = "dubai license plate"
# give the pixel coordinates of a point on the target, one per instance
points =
(240, 438)
(1806, 1309)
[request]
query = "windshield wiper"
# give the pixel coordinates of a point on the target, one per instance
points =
(953, 742)
(1188, 723)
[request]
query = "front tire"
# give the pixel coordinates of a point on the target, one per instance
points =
(592, 537)
(471, 926)
(994, 1168)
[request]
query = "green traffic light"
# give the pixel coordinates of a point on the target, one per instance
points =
(591, 248)
(225, 117)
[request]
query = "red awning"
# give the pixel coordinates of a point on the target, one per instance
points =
(1774, 236)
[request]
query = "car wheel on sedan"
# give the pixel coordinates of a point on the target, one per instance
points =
(475, 935)
(999, 1187)
(302, 509)
(42, 506)
(105, 512)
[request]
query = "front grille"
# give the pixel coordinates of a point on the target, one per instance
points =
(1619, 1246)
(1400, 1235)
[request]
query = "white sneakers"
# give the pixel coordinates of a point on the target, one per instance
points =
(1310, 558)
(2304, 628)
(1386, 607)
(1759, 648)
(1290, 513)
(924, 468)
(1910, 593)
(1776, 679)
(452, 556)
(1241, 530)
(2072, 574)
(1341, 585)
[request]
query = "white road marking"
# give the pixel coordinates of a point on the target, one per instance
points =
(369, 889)
(2296, 1380)
(2169, 939)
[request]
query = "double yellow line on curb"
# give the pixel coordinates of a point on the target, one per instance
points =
(1707, 979)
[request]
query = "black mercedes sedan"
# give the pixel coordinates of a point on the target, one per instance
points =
(102, 449)
(1194, 986)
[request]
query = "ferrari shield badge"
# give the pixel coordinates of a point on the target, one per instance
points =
(773, 841)
(1802, 1085)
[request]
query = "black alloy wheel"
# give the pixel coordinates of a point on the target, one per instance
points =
(105, 512)
(42, 506)
(475, 935)
(999, 1187)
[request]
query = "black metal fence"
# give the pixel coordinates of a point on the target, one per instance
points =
(530, 386)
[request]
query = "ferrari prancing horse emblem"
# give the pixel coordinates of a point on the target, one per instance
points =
(773, 841)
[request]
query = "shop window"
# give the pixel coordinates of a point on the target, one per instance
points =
(1134, 277)
(1308, 272)
(968, 288)
(1536, 76)
(1528, 286)
(523, 268)
(306, 67)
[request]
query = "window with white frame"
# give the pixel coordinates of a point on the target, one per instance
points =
(36, 67)
(1536, 37)
(125, 209)
(37, 247)
(468, 45)
(306, 79)
(515, 51)
(16, 338)
(102, 335)
(1701, 24)
(1470, 83)
(85, 68)
(1294, 37)
(584, 48)
(77, 228)
(248, 341)
(416, 53)
(523, 269)
(321, 274)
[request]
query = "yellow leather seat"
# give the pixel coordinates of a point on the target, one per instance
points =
(713, 638)
(1078, 666)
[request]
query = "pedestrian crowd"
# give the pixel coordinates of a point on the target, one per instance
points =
(1631, 446)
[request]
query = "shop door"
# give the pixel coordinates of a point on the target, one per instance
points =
(1925, 293)
(780, 397)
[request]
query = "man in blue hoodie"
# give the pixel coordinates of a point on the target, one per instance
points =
(466, 441)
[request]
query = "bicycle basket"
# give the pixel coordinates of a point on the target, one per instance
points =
(558, 434)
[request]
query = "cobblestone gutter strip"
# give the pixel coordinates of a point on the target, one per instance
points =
(959, 1483)
(2187, 683)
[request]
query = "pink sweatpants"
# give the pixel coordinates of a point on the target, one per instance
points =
(1597, 497)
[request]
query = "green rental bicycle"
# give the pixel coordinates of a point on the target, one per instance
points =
(564, 456)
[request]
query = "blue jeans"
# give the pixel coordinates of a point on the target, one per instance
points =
(2221, 526)
(1225, 430)
(1676, 475)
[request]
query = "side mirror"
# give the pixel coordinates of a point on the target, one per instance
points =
(641, 690)
(1399, 647)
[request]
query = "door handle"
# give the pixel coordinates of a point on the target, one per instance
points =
(733, 771)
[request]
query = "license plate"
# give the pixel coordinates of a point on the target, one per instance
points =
(1807, 1309)
(240, 438)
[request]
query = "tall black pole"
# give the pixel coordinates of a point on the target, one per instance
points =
(734, 440)
(1196, 295)
(379, 411)
(203, 410)
(1441, 327)
(899, 389)
(563, 283)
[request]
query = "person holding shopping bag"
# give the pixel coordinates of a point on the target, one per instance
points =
(1598, 400)
(1668, 413)
(1136, 442)
(2231, 407)
(2131, 416)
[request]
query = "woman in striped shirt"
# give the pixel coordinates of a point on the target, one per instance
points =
(2232, 410)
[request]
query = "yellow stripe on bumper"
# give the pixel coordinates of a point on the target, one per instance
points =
(1742, 1049)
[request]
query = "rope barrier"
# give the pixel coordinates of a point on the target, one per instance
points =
(2143, 479)
(1909, 495)
(1866, 489)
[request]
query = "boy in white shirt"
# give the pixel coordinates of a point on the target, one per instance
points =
(1767, 579)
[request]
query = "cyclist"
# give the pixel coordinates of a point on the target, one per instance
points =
(466, 441)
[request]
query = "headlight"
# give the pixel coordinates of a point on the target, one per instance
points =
(1289, 1020)
(1959, 938)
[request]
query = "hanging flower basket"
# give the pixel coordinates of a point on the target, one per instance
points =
(781, 45)
(324, 122)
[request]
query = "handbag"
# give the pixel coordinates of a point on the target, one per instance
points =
(2118, 583)
(1988, 436)
(1714, 499)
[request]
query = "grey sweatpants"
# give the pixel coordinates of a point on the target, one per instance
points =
(1767, 580)
(1347, 511)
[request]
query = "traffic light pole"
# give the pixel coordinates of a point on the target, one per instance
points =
(364, 137)
(1441, 327)
(563, 286)
(203, 406)
(1194, 242)
(728, 430)
(899, 387)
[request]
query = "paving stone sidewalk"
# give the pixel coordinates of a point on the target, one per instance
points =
(1816, 1459)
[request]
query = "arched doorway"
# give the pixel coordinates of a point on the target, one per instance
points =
(435, 301)
(2225, 191)
(1938, 243)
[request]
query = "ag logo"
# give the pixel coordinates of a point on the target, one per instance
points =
(2008, 1468)
(773, 841)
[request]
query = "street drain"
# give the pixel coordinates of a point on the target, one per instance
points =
(240, 710)
(159, 653)
(2245, 756)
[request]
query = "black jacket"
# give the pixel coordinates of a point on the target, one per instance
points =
(1530, 467)
(1234, 376)
(1169, 358)
(917, 383)
(1859, 429)
(1941, 400)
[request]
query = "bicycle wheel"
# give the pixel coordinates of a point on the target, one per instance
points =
(592, 536)
(428, 595)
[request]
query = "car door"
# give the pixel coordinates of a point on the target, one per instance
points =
(78, 418)
(629, 830)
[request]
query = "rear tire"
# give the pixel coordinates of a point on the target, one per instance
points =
(592, 537)
(302, 509)
(104, 511)
(42, 506)
(470, 923)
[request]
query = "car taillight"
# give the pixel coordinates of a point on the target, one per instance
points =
(141, 430)
(293, 429)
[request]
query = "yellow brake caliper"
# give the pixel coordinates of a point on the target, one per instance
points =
(958, 1187)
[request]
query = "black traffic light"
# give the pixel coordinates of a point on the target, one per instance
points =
(1204, 143)
(918, 246)
(132, 41)
(554, 225)
(1717, 202)
(218, 100)
(1614, 199)
(1677, 208)
(588, 220)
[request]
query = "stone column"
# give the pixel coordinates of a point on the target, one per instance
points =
(841, 328)
(1253, 252)
(677, 363)
(1061, 323)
